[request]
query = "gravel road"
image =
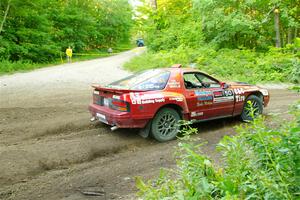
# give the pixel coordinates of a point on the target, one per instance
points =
(50, 150)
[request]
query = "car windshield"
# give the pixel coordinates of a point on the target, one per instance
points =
(147, 80)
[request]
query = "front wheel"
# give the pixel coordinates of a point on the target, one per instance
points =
(257, 108)
(164, 126)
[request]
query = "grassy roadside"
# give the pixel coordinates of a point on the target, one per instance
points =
(227, 64)
(8, 67)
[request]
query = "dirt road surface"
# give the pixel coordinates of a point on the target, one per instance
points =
(50, 150)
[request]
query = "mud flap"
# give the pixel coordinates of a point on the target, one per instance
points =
(144, 132)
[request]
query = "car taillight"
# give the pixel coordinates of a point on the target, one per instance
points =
(97, 99)
(120, 105)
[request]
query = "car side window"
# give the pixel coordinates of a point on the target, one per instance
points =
(198, 80)
(207, 81)
(157, 82)
(191, 81)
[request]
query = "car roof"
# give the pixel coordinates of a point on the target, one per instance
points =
(184, 70)
(180, 70)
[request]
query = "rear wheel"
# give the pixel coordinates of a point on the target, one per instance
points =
(164, 126)
(257, 106)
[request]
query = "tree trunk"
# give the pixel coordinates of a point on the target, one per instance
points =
(277, 28)
(290, 36)
(283, 37)
(5, 15)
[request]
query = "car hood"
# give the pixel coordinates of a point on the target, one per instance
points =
(248, 87)
(243, 85)
(239, 84)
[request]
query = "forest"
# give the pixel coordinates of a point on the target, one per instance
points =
(227, 24)
(39, 31)
(246, 40)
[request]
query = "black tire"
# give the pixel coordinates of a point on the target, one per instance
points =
(257, 105)
(165, 126)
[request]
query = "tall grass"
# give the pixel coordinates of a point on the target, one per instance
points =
(9, 67)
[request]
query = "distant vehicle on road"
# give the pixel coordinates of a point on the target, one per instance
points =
(155, 100)
(140, 42)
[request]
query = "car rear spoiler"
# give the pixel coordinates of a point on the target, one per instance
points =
(115, 90)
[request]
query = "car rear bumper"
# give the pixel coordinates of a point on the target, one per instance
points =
(116, 118)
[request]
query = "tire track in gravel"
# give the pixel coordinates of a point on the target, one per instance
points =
(34, 157)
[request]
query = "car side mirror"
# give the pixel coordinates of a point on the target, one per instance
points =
(224, 85)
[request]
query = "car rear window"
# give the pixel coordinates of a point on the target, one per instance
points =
(147, 80)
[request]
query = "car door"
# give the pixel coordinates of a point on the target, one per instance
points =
(199, 99)
(206, 98)
(223, 98)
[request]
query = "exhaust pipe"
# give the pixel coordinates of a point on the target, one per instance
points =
(93, 119)
(113, 128)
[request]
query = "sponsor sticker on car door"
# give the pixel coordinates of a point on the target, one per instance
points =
(222, 96)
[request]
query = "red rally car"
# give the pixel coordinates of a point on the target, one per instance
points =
(154, 100)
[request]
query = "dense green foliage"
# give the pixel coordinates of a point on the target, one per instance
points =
(171, 25)
(232, 40)
(227, 64)
(260, 162)
(250, 24)
(227, 23)
(38, 31)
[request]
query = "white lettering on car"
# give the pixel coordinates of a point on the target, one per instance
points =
(136, 98)
(196, 114)
(176, 99)
(174, 84)
(228, 92)
(239, 98)
(238, 90)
